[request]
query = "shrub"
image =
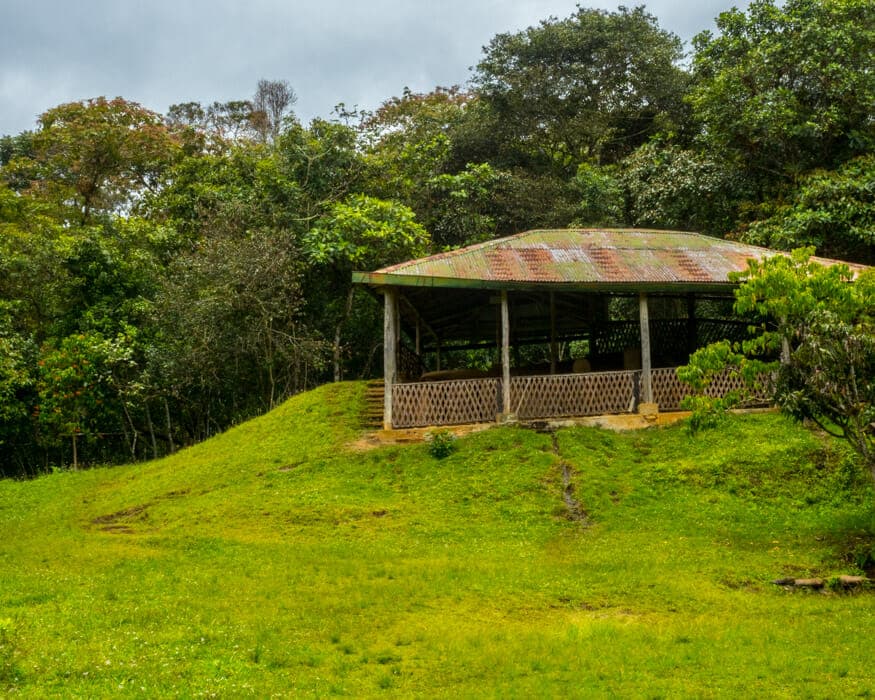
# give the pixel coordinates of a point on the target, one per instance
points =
(441, 443)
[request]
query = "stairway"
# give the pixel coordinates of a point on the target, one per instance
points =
(372, 414)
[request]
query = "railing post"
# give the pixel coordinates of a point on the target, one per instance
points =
(646, 385)
(553, 349)
(505, 354)
(390, 361)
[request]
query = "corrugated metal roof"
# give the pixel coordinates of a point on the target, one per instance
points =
(590, 257)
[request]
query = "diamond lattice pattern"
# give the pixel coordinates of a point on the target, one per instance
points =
(558, 395)
(444, 403)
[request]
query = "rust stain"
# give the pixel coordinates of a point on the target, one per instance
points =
(593, 256)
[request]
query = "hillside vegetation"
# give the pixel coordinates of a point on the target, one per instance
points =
(164, 277)
(275, 559)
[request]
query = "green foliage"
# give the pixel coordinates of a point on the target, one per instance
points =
(441, 443)
(363, 232)
(704, 364)
(601, 196)
(676, 188)
(95, 157)
(80, 384)
(831, 210)
(416, 155)
(783, 88)
(464, 205)
(230, 323)
(821, 323)
(589, 88)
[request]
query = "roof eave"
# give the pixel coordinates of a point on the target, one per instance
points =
(382, 279)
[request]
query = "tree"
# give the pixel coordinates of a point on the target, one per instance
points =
(95, 157)
(814, 332)
(832, 210)
(786, 87)
(215, 127)
(269, 105)
(601, 196)
(12, 147)
(78, 397)
(360, 233)
(412, 157)
(231, 340)
(16, 395)
(676, 188)
(591, 87)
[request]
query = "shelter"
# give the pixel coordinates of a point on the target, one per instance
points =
(631, 305)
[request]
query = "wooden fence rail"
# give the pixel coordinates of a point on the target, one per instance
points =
(457, 401)
(445, 403)
(560, 395)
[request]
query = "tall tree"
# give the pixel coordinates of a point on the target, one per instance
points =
(591, 87)
(359, 233)
(785, 87)
(679, 188)
(273, 98)
(832, 210)
(95, 157)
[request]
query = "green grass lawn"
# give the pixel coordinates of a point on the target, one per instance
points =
(273, 560)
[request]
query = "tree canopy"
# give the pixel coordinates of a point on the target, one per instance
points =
(813, 335)
(165, 276)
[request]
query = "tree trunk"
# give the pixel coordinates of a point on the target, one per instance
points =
(169, 429)
(151, 432)
(338, 375)
(134, 431)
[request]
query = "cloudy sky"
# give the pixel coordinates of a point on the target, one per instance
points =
(160, 52)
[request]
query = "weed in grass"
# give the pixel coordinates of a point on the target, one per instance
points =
(441, 443)
(9, 652)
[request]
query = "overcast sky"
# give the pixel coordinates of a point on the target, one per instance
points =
(159, 52)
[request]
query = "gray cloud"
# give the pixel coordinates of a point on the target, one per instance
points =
(161, 52)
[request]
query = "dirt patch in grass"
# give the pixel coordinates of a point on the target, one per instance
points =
(125, 514)
(575, 510)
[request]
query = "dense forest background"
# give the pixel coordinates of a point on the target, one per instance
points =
(163, 277)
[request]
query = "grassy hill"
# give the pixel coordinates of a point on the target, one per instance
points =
(274, 559)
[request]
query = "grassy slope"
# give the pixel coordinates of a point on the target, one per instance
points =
(272, 560)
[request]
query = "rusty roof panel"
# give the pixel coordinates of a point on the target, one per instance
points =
(588, 256)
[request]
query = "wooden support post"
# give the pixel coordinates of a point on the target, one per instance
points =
(505, 354)
(785, 344)
(390, 358)
(646, 385)
(553, 352)
(418, 338)
(437, 355)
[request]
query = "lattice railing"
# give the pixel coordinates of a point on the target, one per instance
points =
(668, 390)
(457, 401)
(668, 336)
(557, 395)
(713, 330)
(410, 366)
(615, 336)
(445, 403)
